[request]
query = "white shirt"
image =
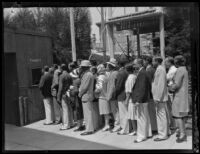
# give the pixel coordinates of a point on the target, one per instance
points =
(130, 83)
(170, 75)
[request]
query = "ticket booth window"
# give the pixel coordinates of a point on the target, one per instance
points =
(36, 75)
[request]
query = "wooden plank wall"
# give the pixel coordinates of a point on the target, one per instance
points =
(33, 50)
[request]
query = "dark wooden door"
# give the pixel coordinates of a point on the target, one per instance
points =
(11, 89)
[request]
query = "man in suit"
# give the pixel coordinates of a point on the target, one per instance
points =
(54, 90)
(45, 87)
(111, 92)
(86, 93)
(121, 97)
(151, 105)
(65, 81)
(140, 97)
(160, 96)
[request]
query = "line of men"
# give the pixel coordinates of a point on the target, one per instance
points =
(131, 98)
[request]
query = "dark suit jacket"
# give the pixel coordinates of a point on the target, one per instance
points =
(65, 81)
(120, 84)
(150, 74)
(141, 90)
(45, 84)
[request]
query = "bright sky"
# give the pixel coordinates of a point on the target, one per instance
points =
(95, 15)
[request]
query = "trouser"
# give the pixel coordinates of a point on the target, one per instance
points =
(152, 115)
(97, 118)
(115, 111)
(58, 110)
(88, 112)
(143, 121)
(172, 122)
(162, 120)
(67, 115)
(49, 110)
(123, 116)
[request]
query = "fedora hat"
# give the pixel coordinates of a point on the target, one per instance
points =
(112, 62)
(85, 63)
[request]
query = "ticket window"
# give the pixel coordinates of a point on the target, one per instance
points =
(36, 75)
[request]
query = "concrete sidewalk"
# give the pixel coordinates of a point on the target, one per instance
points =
(37, 136)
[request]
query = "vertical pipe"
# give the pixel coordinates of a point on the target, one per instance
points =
(25, 110)
(72, 34)
(21, 111)
(162, 36)
(138, 42)
(103, 34)
(110, 34)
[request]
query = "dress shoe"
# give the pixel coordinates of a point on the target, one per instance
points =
(87, 133)
(180, 140)
(56, 123)
(79, 129)
(121, 133)
(106, 128)
(133, 133)
(178, 134)
(160, 139)
(138, 141)
(115, 129)
(48, 123)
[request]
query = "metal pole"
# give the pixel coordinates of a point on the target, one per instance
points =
(72, 34)
(103, 36)
(138, 42)
(162, 36)
(110, 34)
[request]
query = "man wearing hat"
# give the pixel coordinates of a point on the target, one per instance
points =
(65, 82)
(111, 94)
(140, 97)
(86, 93)
(121, 96)
(45, 87)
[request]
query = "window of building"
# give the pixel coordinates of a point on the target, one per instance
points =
(36, 75)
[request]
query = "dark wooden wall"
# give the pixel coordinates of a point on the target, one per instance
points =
(33, 50)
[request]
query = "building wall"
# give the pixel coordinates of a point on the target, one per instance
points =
(33, 51)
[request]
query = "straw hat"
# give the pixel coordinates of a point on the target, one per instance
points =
(85, 63)
(113, 62)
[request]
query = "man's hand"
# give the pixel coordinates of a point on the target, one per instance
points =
(156, 101)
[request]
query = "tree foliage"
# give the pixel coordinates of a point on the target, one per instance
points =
(56, 22)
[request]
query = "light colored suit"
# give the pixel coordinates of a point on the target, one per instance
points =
(160, 96)
(86, 93)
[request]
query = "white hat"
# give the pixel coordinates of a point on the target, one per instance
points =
(85, 63)
(112, 62)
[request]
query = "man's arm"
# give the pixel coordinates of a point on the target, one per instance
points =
(141, 89)
(41, 84)
(85, 84)
(161, 83)
(60, 88)
(120, 82)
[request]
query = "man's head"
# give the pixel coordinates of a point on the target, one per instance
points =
(63, 67)
(112, 64)
(51, 70)
(147, 60)
(55, 66)
(85, 65)
(157, 61)
(169, 61)
(137, 63)
(72, 66)
(179, 61)
(46, 68)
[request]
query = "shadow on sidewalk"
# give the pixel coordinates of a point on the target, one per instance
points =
(29, 139)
